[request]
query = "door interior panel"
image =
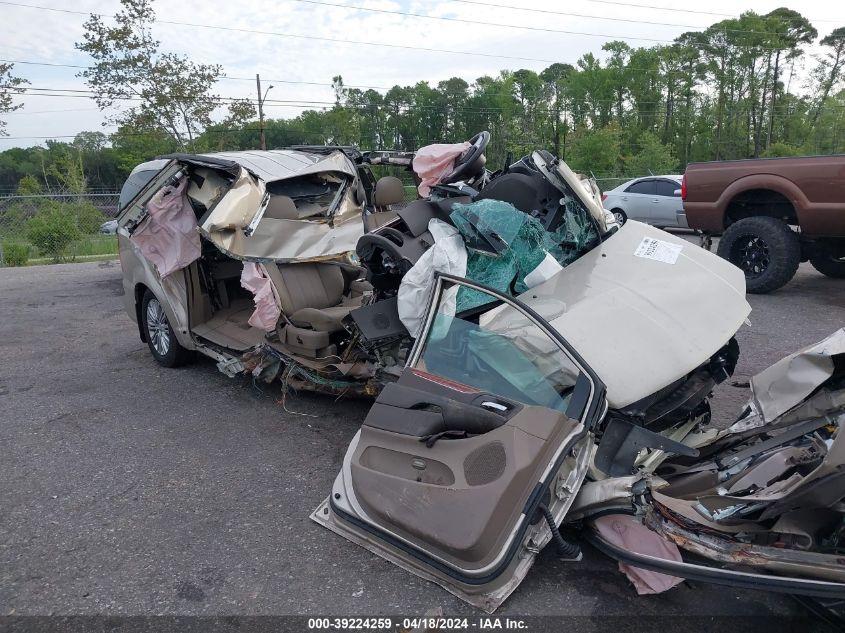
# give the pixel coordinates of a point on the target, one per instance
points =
(460, 498)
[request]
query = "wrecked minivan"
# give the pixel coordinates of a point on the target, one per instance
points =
(249, 258)
(534, 364)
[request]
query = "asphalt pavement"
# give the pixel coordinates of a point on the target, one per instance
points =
(130, 489)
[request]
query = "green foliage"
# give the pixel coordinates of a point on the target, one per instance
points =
(596, 151)
(93, 245)
(53, 230)
(67, 167)
(651, 156)
(10, 86)
(15, 254)
(29, 186)
(781, 149)
(174, 94)
(734, 90)
(13, 220)
(88, 217)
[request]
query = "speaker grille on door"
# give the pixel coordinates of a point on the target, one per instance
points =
(485, 464)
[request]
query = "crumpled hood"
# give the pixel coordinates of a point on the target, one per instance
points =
(642, 321)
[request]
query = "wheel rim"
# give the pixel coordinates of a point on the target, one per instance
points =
(751, 254)
(158, 329)
(619, 217)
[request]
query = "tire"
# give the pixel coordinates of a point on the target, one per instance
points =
(159, 334)
(765, 249)
(830, 265)
(620, 216)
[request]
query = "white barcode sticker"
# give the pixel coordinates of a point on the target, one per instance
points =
(658, 250)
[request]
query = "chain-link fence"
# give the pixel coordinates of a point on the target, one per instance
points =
(606, 184)
(57, 227)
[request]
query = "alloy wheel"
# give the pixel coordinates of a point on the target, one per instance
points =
(158, 329)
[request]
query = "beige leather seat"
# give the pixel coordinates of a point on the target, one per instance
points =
(312, 295)
(389, 191)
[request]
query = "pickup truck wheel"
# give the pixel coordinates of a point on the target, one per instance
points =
(830, 265)
(765, 249)
(160, 337)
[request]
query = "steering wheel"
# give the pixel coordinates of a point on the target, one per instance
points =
(463, 164)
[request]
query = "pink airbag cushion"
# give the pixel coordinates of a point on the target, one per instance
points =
(169, 238)
(432, 162)
(267, 303)
(629, 533)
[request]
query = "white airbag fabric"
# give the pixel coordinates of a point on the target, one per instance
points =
(448, 255)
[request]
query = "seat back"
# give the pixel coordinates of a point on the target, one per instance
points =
(307, 285)
(389, 190)
(281, 208)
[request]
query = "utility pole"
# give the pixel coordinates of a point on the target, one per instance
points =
(261, 99)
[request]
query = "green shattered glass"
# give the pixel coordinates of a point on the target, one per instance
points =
(526, 244)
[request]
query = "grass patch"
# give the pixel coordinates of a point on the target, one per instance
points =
(88, 248)
(94, 245)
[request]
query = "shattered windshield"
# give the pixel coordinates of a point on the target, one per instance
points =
(502, 352)
(505, 245)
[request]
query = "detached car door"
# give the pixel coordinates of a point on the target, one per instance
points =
(460, 465)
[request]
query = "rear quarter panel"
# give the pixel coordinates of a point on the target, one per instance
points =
(815, 185)
(170, 291)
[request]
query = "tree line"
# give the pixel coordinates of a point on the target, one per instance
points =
(744, 87)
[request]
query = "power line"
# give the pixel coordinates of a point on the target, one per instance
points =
(385, 88)
(663, 8)
(307, 103)
(224, 78)
(302, 37)
(477, 22)
(575, 15)
(533, 28)
(5, 114)
(359, 42)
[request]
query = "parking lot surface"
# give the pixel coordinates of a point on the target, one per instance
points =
(128, 488)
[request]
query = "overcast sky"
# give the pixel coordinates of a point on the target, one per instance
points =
(39, 35)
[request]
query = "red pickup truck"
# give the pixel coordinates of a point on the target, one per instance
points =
(772, 214)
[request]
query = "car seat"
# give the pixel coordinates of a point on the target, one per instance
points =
(389, 191)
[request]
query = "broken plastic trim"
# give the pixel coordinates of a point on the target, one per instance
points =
(728, 577)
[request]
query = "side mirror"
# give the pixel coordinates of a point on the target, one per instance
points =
(677, 193)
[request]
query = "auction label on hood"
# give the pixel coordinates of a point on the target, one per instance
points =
(659, 250)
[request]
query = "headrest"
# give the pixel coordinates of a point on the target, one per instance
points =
(281, 208)
(389, 190)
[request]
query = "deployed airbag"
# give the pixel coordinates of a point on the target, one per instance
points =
(432, 162)
(268, 305)
(448, 255)
(630, 534)
(169, 238)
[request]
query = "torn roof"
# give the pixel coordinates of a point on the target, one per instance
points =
(276, 164)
